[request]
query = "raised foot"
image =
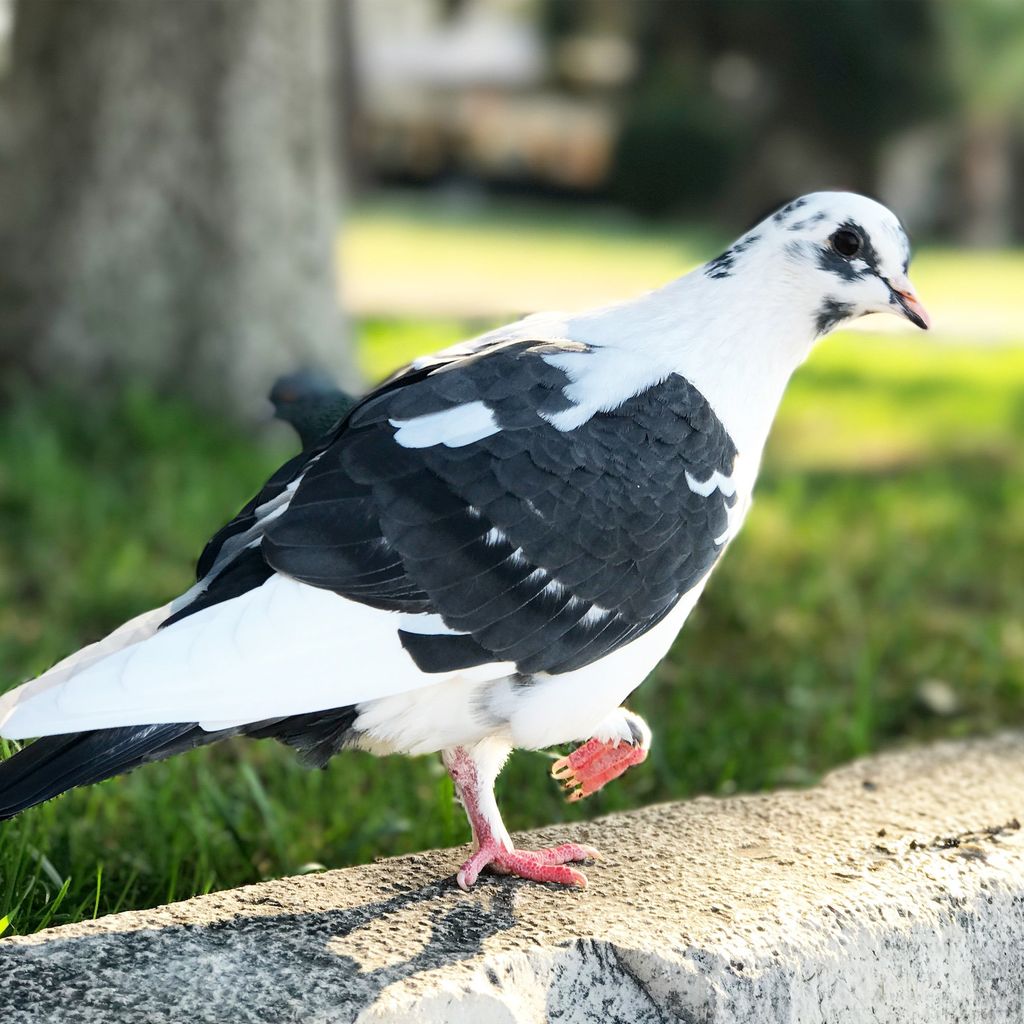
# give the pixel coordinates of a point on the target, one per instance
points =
(589, 767)
(537, 865)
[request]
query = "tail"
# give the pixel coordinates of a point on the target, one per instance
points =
(53, 764)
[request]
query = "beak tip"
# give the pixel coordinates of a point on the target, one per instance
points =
(912, 308)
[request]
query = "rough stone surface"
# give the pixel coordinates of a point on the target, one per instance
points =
(894, 891)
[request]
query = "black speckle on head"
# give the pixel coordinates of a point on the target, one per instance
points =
(800, 225)
(789, 208)
(723, 266)
(832, 312)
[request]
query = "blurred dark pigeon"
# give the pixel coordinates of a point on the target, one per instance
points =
(311, 402)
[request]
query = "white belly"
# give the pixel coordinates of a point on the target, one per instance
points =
(544, 711)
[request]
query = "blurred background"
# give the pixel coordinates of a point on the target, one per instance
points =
(195, 198)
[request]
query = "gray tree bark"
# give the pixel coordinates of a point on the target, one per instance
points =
(168, 199)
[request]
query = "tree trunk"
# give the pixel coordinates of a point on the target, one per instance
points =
(168, 201)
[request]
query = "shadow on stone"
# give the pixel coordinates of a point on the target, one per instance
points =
(241, 968)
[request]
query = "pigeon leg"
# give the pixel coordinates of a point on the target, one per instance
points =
(473, 770)
(621, 741)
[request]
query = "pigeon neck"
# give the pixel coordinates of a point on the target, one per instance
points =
(737, 344)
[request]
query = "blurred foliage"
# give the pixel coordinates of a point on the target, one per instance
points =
(718, 83)
(986, 47)
(674, 150)
(881, 558)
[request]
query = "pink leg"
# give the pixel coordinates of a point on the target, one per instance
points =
(493, 846)
(589, 767)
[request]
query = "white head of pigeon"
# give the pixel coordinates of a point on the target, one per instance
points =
(847, 255)
(822, 260)
(492, 550)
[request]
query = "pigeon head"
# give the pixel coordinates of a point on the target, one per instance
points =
(299, 386)
(311, 402)
(851, 252)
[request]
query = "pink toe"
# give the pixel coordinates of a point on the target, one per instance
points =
(537, 865)
(537, 868)
(594, 764)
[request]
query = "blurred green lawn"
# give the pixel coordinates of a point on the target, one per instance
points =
(415, 256)
(883, 552)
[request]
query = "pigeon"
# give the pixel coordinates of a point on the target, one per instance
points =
(311, 402)
(490, 551)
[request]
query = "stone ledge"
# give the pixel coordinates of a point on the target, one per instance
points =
(893, 891)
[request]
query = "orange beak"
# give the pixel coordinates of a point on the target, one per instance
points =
(906, 298)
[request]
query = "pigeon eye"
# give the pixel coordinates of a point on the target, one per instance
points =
(846, 242)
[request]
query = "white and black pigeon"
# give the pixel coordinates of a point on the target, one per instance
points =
(492, 550)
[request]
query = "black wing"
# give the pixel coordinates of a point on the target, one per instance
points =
(543, 547)
(226, 544)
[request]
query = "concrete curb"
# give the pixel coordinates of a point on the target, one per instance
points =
(893, 891)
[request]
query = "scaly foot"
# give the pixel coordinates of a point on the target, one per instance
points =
(589, 767)
(538, 865)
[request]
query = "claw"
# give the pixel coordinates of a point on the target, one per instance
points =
(594, 764)
(548, 865)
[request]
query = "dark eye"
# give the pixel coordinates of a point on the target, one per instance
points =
(846, 242)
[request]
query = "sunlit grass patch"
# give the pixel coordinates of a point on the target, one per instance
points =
(885, 401)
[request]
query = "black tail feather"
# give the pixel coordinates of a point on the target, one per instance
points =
(317, 735)
(54, 764)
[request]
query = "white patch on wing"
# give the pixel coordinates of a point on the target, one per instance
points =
(494, 536)
(454, 428)
(599, 381)
(705, 488)
(426, 625)
(734, 520)
(533, 509)
(595, 614)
